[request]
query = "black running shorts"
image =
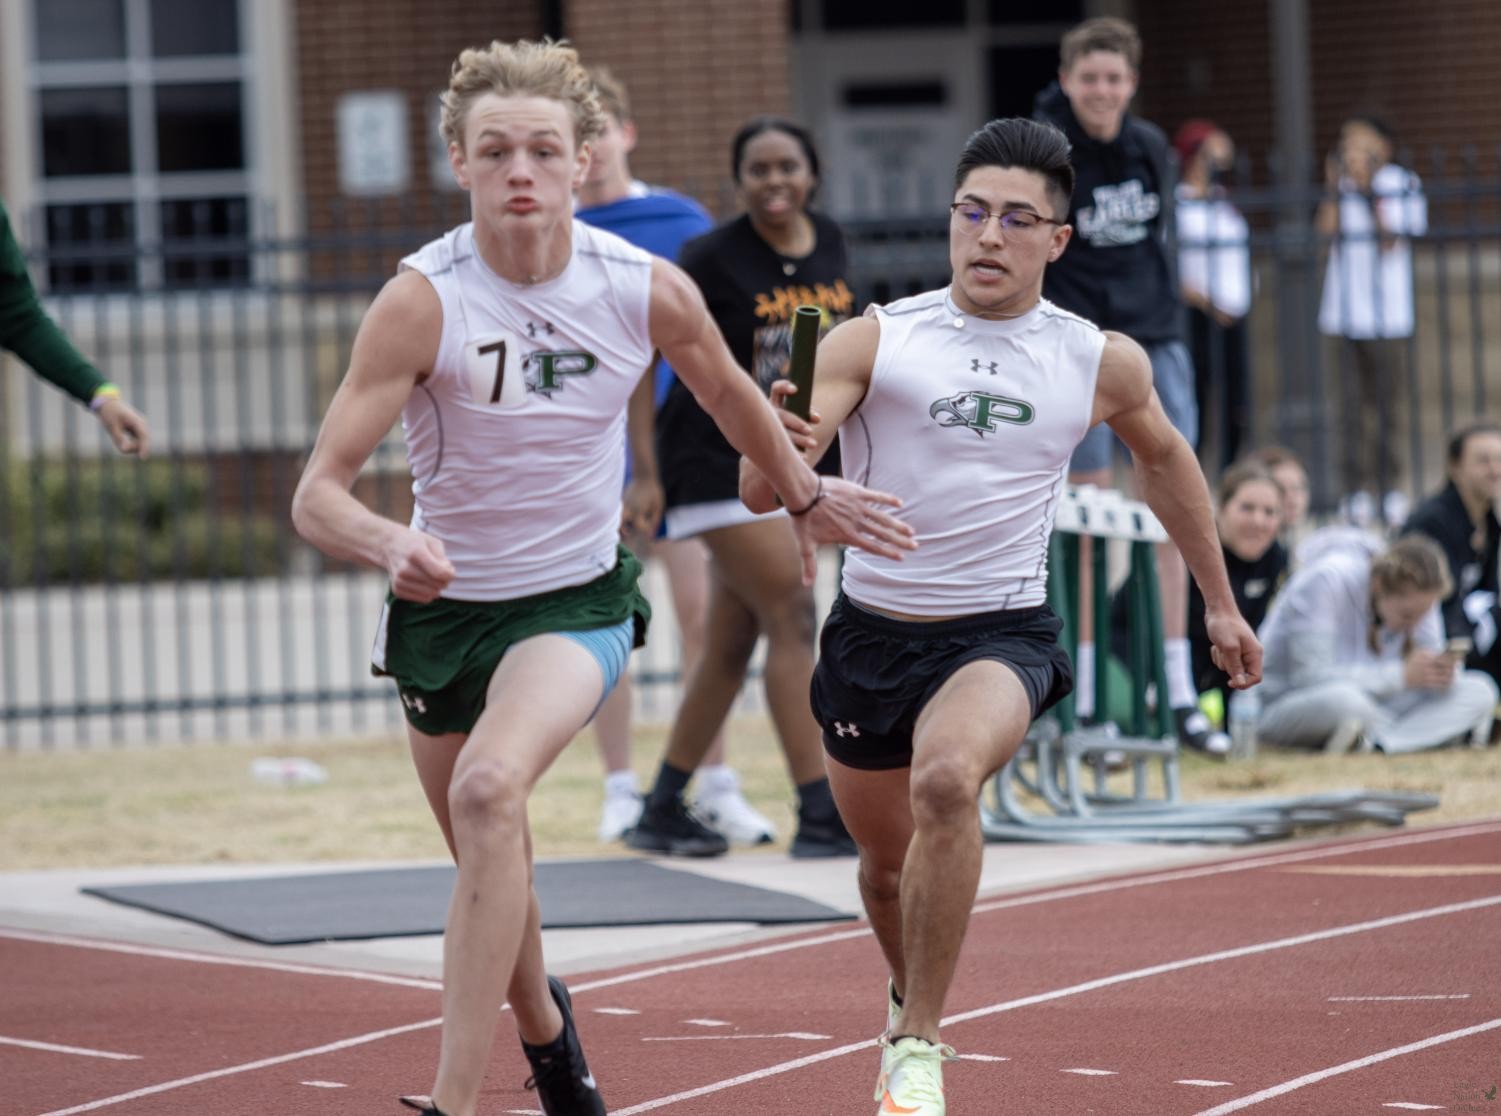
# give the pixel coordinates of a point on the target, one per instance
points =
(876, 673)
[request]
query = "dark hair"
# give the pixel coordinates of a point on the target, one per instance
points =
(1102, 33)
(1461, 437)
(1018, 142)
(754, 127)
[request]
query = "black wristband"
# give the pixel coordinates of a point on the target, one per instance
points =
(813, 503)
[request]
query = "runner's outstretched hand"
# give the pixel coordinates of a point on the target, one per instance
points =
(848, 514)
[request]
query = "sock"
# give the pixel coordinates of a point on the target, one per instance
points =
(1180, 682)
(618, 784)
(1084, 681)
(717, 778)
(815, 800)
(670, 785)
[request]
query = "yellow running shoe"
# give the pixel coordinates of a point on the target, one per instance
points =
(912, 1085)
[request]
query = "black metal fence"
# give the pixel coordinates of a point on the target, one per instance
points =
(171, 598)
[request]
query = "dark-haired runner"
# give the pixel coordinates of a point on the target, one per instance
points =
(967, 402)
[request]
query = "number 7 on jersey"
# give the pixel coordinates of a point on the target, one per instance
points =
(494, 367)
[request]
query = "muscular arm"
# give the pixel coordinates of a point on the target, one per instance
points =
(394, 347)
(1174, 488)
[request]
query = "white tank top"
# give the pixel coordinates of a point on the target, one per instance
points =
(971, 422)
(514, 439)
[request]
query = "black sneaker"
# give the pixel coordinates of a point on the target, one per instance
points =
(820, 837)
(559, 1074)
(674, 831)
(423, 1105)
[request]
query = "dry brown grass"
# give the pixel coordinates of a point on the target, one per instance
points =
(188, 805)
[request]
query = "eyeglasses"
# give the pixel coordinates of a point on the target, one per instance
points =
(972, 218)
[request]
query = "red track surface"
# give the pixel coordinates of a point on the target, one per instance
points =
(1371, 967)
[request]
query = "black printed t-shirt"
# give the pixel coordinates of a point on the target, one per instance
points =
(752, 292)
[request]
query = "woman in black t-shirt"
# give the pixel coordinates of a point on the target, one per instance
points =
(754, 271)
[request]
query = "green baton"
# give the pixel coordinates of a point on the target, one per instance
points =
(805, 324)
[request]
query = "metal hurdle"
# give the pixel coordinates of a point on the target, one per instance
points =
(1061, 758)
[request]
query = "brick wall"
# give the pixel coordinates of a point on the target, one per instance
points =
(351, 45)
(1429, 70)
(695, 73)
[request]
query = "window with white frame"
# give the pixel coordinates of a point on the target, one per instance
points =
(142, 142)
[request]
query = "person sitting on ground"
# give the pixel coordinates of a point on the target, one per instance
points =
(1355, 656)
(1250, 514)
(1462, 519)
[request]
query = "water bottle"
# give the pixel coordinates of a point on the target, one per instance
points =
(1242, 718)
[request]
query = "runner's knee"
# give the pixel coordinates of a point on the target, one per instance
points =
(943, 791)
(790, 617)
(487, 795)
(880, 880)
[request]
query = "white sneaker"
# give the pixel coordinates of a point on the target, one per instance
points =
(1394, 508)
(914, 1082)
(621, 811)
(1358, 509)
(724, 809)
(1347, 735)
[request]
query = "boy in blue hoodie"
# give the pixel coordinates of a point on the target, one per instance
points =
(661, 221)
(1118, 273)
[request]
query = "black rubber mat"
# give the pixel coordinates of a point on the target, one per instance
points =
(398, 902)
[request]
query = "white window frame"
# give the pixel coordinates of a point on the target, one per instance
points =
(144, 188)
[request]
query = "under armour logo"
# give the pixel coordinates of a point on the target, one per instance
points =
(976, 366)
(533, 327)
(414, 703)
(842, 729)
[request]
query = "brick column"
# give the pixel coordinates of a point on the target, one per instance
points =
(695, 73)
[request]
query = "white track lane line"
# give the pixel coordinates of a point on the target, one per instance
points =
(218, 959)
(83, 1051)
(1269, 861)
(230, 1071)
(1101, 888)
(1078, 989)
(1346, 1067)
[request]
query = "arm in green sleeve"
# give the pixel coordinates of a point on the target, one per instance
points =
(27, 331)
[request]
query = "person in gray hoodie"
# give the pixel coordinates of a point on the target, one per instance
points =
(1355, 656)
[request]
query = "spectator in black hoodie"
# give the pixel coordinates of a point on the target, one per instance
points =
(1462, 519)
(1119, 274)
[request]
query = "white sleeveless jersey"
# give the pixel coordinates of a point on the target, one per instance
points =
(971, 422)
(515, 438)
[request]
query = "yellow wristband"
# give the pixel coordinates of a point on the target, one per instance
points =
(101, 393)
